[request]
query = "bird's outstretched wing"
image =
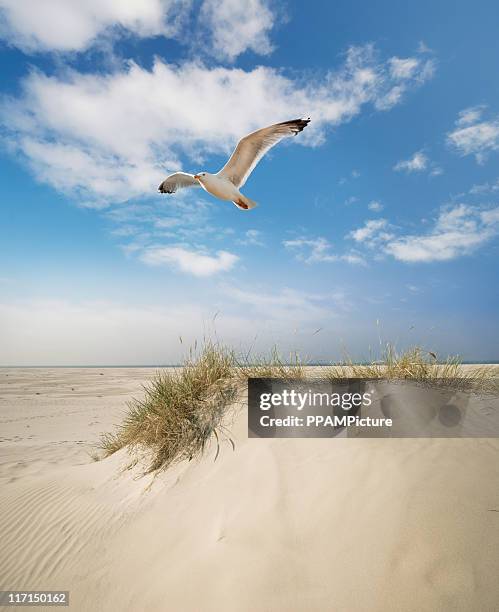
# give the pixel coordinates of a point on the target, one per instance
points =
(250, 149)
(176, 181)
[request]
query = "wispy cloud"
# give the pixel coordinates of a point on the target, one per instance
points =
(354, 174)
(319, 250)
(413, 288)
(470, 116)
(154, 223)
(56, 332)
(252, 237)
(474, 135)
(417, 163)
(423, 47)
(402, 71)
(372, 232)
(197, 263)
(375, 206)
(353, 258)
(289, 304)
(351, 200)
(311, 250)
(63, 332)
(401, 68)
(436, 170)
(485, 188)
(458, 230)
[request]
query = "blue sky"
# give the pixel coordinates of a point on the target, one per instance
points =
(380, 220)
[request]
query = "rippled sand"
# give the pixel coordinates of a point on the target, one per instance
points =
(290, 524)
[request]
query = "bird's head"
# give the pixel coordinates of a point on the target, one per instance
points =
(200, 175)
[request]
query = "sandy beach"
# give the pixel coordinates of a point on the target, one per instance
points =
(274, 525)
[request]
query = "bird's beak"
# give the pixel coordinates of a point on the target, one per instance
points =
(197, 177)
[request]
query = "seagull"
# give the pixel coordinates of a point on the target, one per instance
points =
(226, 183)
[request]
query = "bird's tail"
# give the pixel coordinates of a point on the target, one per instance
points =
(244, 203)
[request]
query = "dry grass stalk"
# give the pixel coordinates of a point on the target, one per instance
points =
(184, 408)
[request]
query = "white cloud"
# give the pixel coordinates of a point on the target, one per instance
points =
(423, 47)
(371, 232)
(179, 233)
(485, 188)
(289, 305)
(458, 231)
(403, 68)
(224, 28)
(474, 136)
(148, 224)
(83, 172)
(197, 263)
(417, 163)
(252, 237)
(237, 26)
(401, 72)
(436, 171)
(470, 115)
(353, 258)
(73, 25)
(311, 250)
(413, 288)
(318, 250)
(375, 206)
(355, 174)
(62, 332)
(351, 200)
(124, 130)
(490, 218)
(392, 97)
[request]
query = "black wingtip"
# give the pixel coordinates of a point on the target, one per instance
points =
(297, 125)
(162, 189)
(304, 123)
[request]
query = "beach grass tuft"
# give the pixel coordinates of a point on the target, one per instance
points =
(419, 365)
(184, 408)
(273, 365)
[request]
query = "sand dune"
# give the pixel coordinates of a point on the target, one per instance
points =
(291, 525)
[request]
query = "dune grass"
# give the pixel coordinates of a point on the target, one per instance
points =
(419, 365)
(184, 408)
(272, 365)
